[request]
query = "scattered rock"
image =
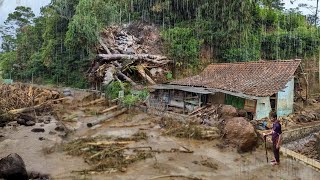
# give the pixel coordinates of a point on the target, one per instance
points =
(21, 121)
(12, 167)
(241, 133)
(42, 138)
(59, 128)
(52, 133)
(46, 122)
(36, 130)
(26, 117)
(37, 175)
(30, 123)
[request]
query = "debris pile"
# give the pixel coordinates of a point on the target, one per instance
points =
(189, 129)
(209, 112)
(105, 154)
(213, 115)
(18, 100)
(124, 57)
(21, 96)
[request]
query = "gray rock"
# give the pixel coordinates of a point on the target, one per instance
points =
(38, 175)
(12, 167)
(67, 92)
(36, 130)
(60, 128)
(21, 121)
(52, 133)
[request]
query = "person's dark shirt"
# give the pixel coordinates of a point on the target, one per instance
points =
(276, 127)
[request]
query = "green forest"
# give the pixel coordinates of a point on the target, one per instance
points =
(57, 47)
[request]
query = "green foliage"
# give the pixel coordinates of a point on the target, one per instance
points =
(133, 98)
(22, 16)
(130, 100)
(169, 76)
(183, 45)
(143, 95)
(112, 90)
(85, 27)
(7, 61)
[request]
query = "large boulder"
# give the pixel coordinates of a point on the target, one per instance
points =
(228, 111)
(12, 167)
(240, 132)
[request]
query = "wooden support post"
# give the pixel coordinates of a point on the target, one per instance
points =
(184, 103)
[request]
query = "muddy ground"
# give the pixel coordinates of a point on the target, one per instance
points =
(44, 152)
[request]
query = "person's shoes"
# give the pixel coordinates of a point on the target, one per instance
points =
(273, 160)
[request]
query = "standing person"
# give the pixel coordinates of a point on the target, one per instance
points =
(276, 138)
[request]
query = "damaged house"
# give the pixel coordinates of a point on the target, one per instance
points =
(256, 87)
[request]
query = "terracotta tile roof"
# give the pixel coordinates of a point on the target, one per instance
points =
(261, 78)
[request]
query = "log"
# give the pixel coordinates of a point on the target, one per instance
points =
(94, 102)
(156, 59)
(105, 47)
(127, 78)
(141, 71)
(23, 110)
(107, 117)
(109, 109)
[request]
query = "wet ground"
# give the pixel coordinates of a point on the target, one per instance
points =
(210, 159)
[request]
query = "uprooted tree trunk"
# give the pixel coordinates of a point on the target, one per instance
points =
(155, 59)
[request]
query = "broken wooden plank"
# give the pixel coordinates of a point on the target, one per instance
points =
(109, 109)
(97, 101)
(143, 73)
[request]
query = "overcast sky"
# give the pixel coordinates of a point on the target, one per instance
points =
(8, 6)
(297, 2)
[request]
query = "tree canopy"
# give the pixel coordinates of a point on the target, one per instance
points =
(57, 46)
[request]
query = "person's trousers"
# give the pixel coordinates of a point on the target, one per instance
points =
(276, 152)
